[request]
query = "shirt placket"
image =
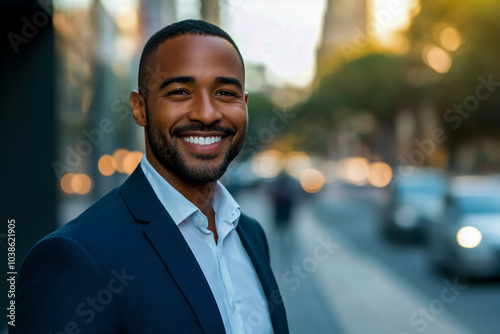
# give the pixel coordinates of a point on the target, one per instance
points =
(230, 300)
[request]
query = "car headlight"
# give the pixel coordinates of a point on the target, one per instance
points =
(469, 237)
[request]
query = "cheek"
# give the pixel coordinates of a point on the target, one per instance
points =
(238, 117)
(165, 118)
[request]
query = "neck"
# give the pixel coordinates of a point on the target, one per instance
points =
(201, 195)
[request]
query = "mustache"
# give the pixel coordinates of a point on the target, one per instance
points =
(203, 128)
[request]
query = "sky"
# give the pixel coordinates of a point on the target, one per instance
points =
(281, 35)
(284, 34)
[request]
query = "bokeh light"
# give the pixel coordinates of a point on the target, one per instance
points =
(450, 38)
(80, 184)
(119, 156)
(437, 59)
(296, 163)
(130, 161)
(268, 164)
(65, 183)
(312, 180)
(354, 170)
(106, 165)
(380, 174)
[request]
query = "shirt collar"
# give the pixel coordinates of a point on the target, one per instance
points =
(180, 208)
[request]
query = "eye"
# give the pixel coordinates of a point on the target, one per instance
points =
(226, 93)
(177, 92)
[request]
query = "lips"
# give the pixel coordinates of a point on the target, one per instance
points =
(206, 143)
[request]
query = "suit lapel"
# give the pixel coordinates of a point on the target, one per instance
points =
(173, 249)
(266, 277)
(169, 243)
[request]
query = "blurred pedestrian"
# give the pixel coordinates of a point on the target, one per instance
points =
(283, 191)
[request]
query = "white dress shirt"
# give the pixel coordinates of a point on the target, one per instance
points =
(225, 264)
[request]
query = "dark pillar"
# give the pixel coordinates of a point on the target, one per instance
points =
(28, 129)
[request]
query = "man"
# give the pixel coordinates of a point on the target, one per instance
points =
(168, 251)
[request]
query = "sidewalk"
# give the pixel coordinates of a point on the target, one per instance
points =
(322, 275)
(308, 311)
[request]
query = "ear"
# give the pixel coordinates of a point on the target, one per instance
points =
(245, 94)
(138, 105)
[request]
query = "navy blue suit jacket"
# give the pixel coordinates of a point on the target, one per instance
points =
(123, 266)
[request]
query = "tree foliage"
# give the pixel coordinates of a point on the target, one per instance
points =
(478, 23)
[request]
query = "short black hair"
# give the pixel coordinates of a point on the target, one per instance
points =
(197, 27)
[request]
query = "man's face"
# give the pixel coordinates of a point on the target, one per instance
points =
(197, 113)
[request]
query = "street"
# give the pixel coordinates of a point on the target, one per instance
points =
(338, 275)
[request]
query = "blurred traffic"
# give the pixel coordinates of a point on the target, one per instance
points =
(466, 239)
(415, 202)
(456, 218)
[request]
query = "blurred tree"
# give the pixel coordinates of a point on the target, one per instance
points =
(465, 112)
(453, 51)
(374, 84)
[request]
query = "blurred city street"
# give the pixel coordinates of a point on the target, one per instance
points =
(366, 285)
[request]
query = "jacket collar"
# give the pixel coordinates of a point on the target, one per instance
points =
(139, 197)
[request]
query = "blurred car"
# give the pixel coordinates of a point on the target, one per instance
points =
(416, 199)
(466, 241)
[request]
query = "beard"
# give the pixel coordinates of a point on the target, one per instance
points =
(168, 152)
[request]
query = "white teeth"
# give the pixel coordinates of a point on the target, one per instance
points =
(202, 140)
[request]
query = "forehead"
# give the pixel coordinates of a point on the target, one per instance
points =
(196, 55)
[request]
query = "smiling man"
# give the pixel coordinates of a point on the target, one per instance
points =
(169, 250)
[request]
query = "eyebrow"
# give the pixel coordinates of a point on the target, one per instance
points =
(182, 79)
(229, 81)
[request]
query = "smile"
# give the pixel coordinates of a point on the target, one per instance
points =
(202, 140)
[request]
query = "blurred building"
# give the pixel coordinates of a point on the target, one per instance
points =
(210, 11)
(99, 47)
(344, 24)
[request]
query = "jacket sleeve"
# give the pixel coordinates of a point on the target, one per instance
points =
(62, 288)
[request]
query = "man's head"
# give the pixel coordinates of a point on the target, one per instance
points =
(191, 101)
(147, 64)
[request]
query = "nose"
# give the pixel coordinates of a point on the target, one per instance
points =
(204, 110)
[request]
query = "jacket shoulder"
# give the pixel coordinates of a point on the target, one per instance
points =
(103, 217)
